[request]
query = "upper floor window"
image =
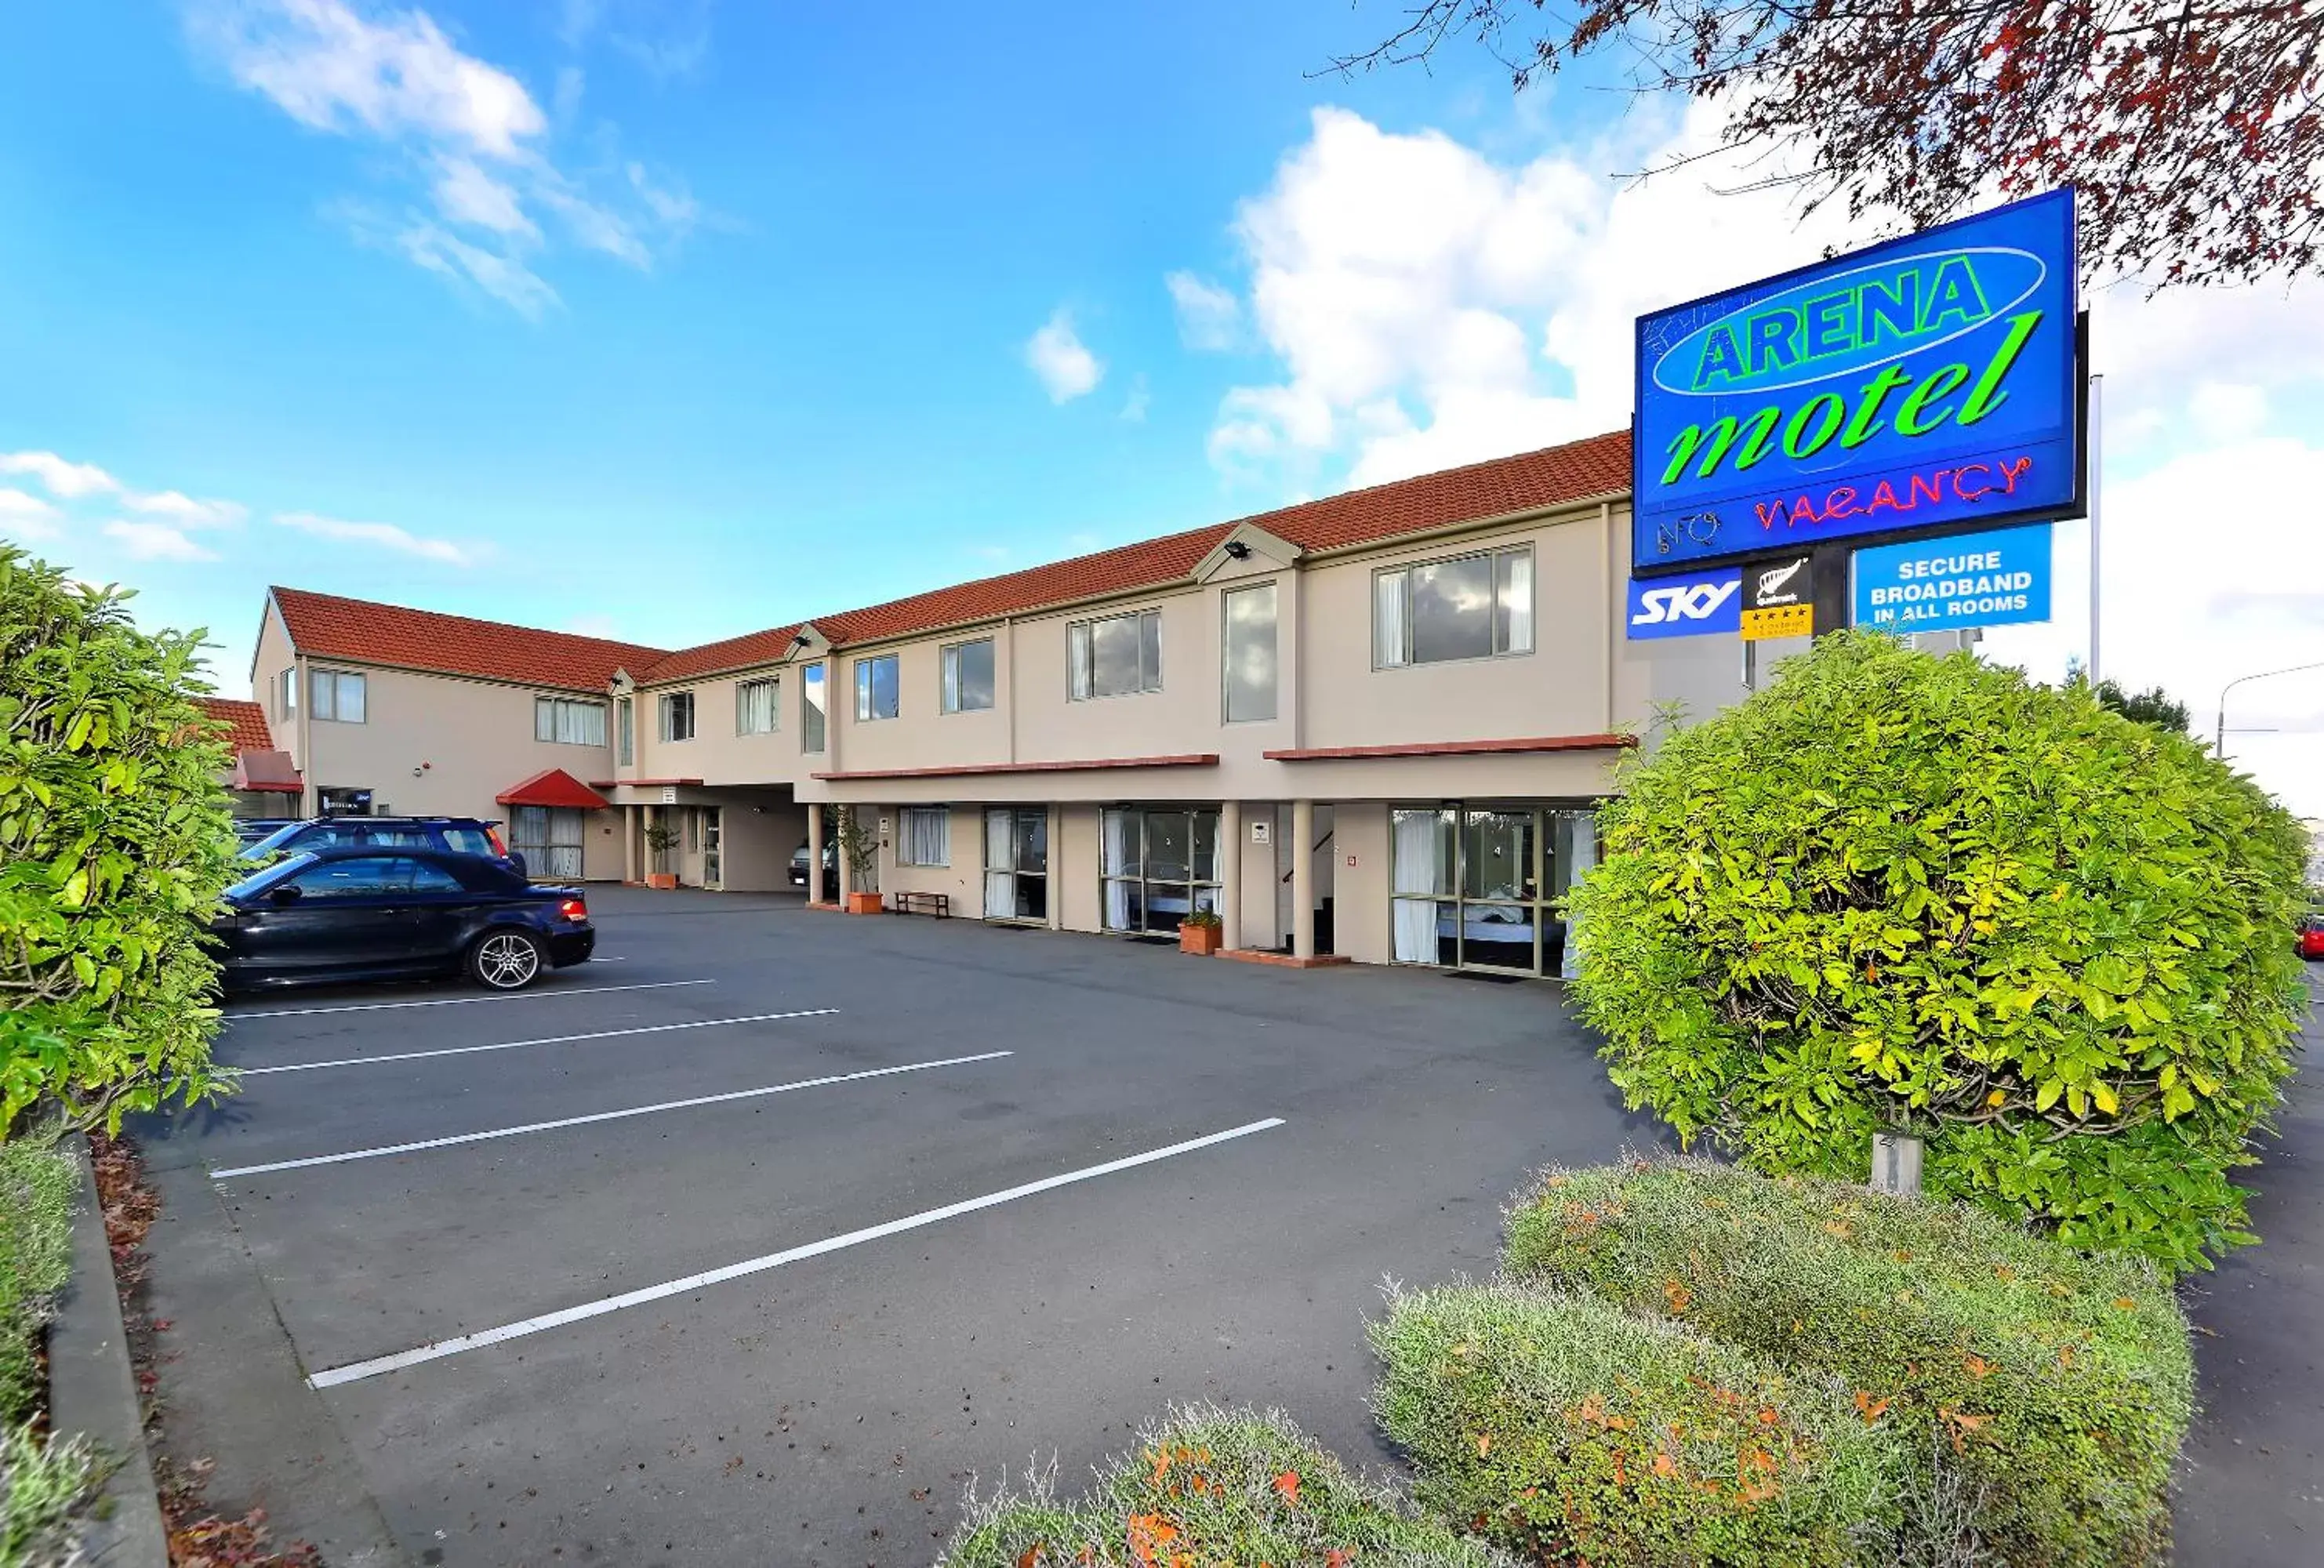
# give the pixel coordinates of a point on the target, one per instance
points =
(1250, 644)
(1476, 606)
(1116, 656)
(967, 675)
(812, 709)
(879, 692)
(758, 708)
(286, 699)
(337, 695)
(625, 726)
(677, 716)
(570, 723)
(927, 838)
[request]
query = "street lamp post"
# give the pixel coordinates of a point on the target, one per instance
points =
(2220, 740)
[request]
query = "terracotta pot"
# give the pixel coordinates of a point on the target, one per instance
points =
(1201, 940)
(666, 881)
(863, 903)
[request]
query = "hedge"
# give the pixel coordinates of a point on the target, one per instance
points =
(1899, 892)
(36, 1191)
(2058, 1383)
(1211, 1485)
(1571, 1431)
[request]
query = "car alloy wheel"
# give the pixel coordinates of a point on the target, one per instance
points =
(507, 960)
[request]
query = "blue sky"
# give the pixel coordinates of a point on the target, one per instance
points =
(672, 318)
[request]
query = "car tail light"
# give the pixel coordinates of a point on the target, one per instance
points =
(500, 846)
(574, 909)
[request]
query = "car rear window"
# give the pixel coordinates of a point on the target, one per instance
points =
(468, 840)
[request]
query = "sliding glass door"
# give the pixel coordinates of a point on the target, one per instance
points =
(1017, 863)
(1159, 865)
(1473, 887)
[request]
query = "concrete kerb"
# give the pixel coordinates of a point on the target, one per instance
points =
(93, 1389)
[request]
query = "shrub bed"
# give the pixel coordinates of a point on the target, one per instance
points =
(1208, 1485)
(2058, 1383)
(1573, 1431)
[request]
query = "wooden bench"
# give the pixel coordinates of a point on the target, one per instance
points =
(936, 904)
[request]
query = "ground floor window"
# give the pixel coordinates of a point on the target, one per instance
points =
(1017, 863)
(1475, 885)
(263, 805)
(341, 800)
(548, 838)
(927, 838)
(1161, 863)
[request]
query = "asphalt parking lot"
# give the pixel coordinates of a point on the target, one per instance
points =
(754, 1240)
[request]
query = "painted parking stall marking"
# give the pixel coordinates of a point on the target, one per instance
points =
(355, 1371)
(706, 1023)
(548, 995)
(427, 1143)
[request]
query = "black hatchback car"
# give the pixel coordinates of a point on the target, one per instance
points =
(361, 913)
(454, 835)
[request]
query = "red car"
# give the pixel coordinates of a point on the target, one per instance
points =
(2312, 937)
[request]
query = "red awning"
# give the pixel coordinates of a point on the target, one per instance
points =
(553, 786)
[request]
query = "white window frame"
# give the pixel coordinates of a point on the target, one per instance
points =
(1081, 659)
(327, 691)
(564, 713)
(815, 720)
(924, 835)
(625, 727)
(948, 676)
(286, 696)
(772, 684)
(1402, 573)
(864, 667)
(667, 710)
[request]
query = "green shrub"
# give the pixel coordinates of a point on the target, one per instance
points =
(36, 1193)
(114, 844)
(1209, 1485)
(44, 1486)
(1573, 1431)
(1894, 891)
(2058, 1382)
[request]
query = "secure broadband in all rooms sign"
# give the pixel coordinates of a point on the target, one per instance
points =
(1971, 579)
(1930, 383)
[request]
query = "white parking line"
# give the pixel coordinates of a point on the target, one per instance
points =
(384, 1149)
(460, 1000)
(435, 1350)
(708, 1023)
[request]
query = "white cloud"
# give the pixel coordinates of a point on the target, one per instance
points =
(1210, 317)
(478, 141)
(1067, 369)
(596, 625)
(66, 481)
(184, 511)
(155, 541)
(1140, 399)
(25, 517)
(385, 535)
(329, 67)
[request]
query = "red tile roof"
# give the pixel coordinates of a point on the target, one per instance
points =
(1502, 487)
(553, 786)
(335, 628)
(249, 731)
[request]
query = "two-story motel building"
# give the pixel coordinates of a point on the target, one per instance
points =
(1368, 727)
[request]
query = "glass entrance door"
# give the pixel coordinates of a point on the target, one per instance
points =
(1160, 863)
(1016, 862)
(713, 823)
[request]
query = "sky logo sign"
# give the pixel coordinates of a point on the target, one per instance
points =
(1919, 384)
(1686, 607)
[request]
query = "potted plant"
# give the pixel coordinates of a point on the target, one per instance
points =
(1202, 933)
(662, 838)
(861, 845)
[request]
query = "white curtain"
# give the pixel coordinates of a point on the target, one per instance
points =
(1581, 855)
(1389, 598)
(1118, 829)
(1418, 848)
(927, 835)
(999, 858)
